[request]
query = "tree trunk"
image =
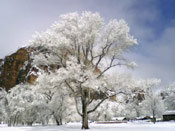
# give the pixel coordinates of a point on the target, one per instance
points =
(85, 121)
(61, 123)
(154, 118)
(56, 119)
(10, 122)
(15, 119)
(84, 111)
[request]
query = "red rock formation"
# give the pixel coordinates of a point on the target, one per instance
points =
(11, 67)
(16, 68)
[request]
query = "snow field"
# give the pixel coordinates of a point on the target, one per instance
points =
(134, 126)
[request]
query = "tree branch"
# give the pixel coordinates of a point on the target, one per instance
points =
(91, 101)
(101, 56)
(76, 103)
(104, 100)
(69, 86)
(98, 105)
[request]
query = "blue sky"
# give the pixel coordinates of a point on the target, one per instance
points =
(152, 22)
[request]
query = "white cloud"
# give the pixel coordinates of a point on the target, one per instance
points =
(158, 59)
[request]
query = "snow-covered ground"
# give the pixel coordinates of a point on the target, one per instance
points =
(134, 126)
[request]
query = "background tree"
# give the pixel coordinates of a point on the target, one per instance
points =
(141, 101)
(152, 103)
(168, 96)
(61, 106)
(23, 106)
(3, 104)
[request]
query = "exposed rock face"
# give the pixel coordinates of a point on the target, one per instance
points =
(1, 65)
(11, 67)
(17, 68)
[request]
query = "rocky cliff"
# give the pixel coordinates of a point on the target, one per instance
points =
(17, 68)
(11, 71)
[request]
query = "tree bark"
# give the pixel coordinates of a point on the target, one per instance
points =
(85, 118)
(84, 111)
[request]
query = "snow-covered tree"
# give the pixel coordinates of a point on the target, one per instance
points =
(3, 104)
(59, 102)
(131, 101)
(105, 112)
(86, 49)
(152, 104)
(23, 105)
(141, 101)
(168, 96)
